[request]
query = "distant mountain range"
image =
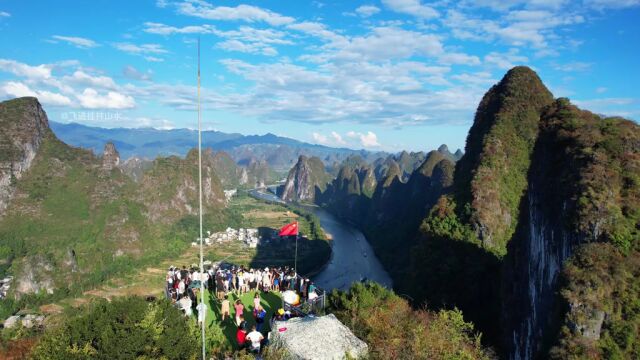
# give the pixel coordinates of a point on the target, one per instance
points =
(279, 152)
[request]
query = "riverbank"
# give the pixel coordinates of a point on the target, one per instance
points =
(352, 257)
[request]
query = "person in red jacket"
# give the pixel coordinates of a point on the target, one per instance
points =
(241, 337)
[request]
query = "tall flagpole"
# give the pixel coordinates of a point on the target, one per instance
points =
(204, 351)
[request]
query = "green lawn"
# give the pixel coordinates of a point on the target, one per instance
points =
(271, 302)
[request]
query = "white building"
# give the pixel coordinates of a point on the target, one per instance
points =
(248, 236)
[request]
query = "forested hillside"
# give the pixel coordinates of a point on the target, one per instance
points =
(544, 203)
(534, 233)
(75, 219)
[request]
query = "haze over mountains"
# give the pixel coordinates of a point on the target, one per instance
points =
(279, 152)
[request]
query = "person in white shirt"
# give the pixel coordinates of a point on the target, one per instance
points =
(256, 338)
(202, 311)
(181, 288)
(241, 283)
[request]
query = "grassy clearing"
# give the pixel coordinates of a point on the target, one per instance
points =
(270, 301)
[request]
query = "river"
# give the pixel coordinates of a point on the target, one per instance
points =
(352, 258)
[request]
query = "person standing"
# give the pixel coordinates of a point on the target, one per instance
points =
(202, 312)
(225, 309)
(255, 337)
(260, 314)
(241, 338)
(256, 300)
(239, 307)
(219, 286)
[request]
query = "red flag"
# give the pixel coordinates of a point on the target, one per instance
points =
(289, 229)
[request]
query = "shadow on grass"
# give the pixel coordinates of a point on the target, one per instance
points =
(270, 301)
(312, 254)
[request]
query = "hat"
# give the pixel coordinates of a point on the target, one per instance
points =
(266, 269)
(280, 311)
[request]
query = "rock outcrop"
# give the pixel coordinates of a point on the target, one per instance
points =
(110, 157)
(491, 177)
(23, 125)
(306, 180)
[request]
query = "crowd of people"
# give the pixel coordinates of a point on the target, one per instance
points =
(184, 285)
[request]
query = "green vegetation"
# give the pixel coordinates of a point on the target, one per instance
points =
(72, 225)
(125, 328)
(602, 288)
(600, 285)
(393, 330)
(491, 178)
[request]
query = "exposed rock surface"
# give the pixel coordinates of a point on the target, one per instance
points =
(35, 276)
(574, 196)
(110, 157)
(305, 181)
(322, 337)
(23, 125)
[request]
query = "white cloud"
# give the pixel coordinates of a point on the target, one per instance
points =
(319, 30)
(18, 89)
(601, 90)
(82, 78)
(333, 139)
(320, 139)
(459, 58)
(575, 66)
(79, 42)
(411, 7)
(162, 29)
(482, 79)
(338, 138)
(140, 49)
(132, 73)
(4, 14)
(147, 122)
(24, 70)
(506, 60)
(91, 99)
(243, 39)
(522, 27)
(367, 10)
(250, 48)
(367, 140)
(248, 13)
(626, 107)
(153, 59)
(611, 4)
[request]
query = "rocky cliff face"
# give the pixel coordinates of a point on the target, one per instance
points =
(577, 194)
(23, 125)
(305, 180)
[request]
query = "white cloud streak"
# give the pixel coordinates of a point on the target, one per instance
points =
(79, 42)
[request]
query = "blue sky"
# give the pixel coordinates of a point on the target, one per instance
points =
(382, 74)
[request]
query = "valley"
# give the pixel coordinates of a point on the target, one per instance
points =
(523, 246)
